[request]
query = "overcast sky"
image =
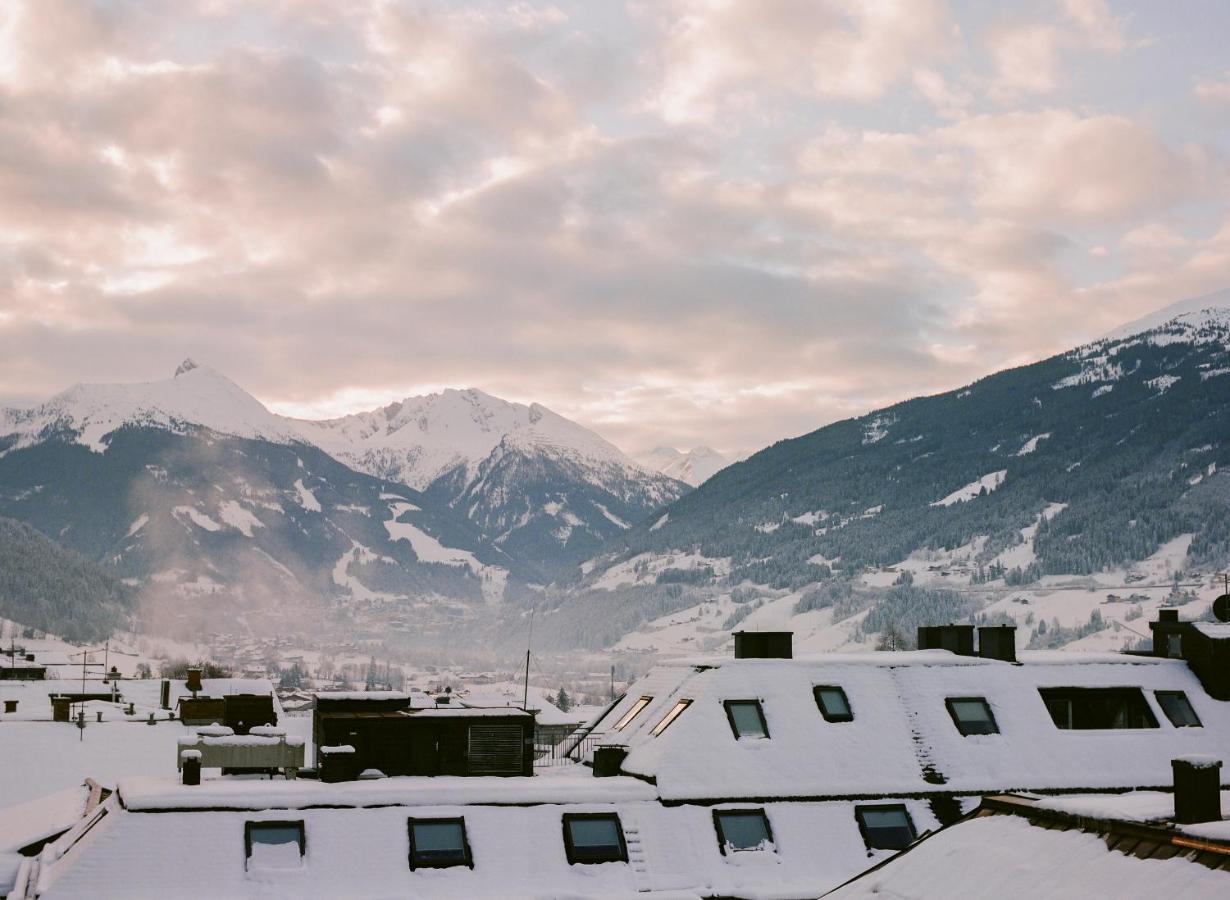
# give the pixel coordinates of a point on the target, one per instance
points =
(676, 222)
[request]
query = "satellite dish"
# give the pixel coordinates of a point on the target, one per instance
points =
(1221, 608)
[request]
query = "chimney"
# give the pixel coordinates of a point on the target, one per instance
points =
(164, 694)
(997, 642)
(191, 765)
(764, 644)
(958, 639)
(1197, 789)
(607, 760)
(194, 680)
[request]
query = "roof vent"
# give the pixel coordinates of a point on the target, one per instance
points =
(1197, 789)
(997, 642)
(764, 644)
(958, 639)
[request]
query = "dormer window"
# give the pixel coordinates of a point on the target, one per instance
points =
(1178, 709)
(885, 827)
(632, 713)
(594, 838)
(833, 703)
(740, 830)
(972, 715)
(438, 843)
(671, 716)
(273, 845)
(1087, 709)
(746, 719)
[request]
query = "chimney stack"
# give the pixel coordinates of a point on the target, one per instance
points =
(1197, 789)
(764, 644)
(194, 680)
(958, 639)
(997, 642)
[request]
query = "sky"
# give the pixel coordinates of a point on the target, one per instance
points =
(678, 222)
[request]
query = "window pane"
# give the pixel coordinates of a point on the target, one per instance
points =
(744, 831)
(274, 834)
(1098, 708)
(633, 712)
(439, 836)
(973, 716)
(746, 716)
(670, 717)
(594, 832)
(833, 702)
(886, 828)
(1178, 709)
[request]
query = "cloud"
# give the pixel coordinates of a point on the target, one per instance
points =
(684, 223)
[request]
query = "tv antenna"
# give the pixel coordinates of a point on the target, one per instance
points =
(525, 698)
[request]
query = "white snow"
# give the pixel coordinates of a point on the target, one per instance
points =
(644, 568)
(140, 522)
(694, 467)
(306, 498)
(1104, 389)
(198, 518)
(427, 548)
(662, 521)
(1032, 444)
(877, 429)
(1163, 383)
(239, 517)
(196, 396)
(990, 482)
(614, 519)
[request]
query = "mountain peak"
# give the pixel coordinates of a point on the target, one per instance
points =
(186, 366)
(1218, 300)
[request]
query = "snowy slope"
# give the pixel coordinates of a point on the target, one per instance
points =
(535, 483)
(196, 396)
(694, 467)
(422, 438)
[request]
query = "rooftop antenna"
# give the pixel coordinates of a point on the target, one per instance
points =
(525, 699)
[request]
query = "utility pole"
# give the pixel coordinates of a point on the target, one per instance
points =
(525, 699)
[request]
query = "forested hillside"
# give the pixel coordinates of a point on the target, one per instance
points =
(46, 586)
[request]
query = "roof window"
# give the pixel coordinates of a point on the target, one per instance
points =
(834, 705)
(632, 713)
(972, 715)
(438, 843)
(1178, 709)
(594, 838)
(886, 827)
(273, 845)
(742, 829)
(746, 719)
(671, 716)
(1097, 708)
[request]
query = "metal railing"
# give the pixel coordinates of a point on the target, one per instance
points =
(566, 751)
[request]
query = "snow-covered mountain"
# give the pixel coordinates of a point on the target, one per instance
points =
(197, 397)
(537, 484)
(1072, 496)
(217, 511)
(694, 467)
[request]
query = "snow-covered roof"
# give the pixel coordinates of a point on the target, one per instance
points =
(1005, 851)
(36, 820)
(513, 827)
(902, 738)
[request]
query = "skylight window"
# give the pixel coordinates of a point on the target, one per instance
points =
(746, 719)
(1098, 708)
(438, 843)
(1178, 709)
(972, 715)
(834, 705)
(885, 827)
(594, 838)
(742, 829)
(632, 713)
(273, 845)
(671, 716)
